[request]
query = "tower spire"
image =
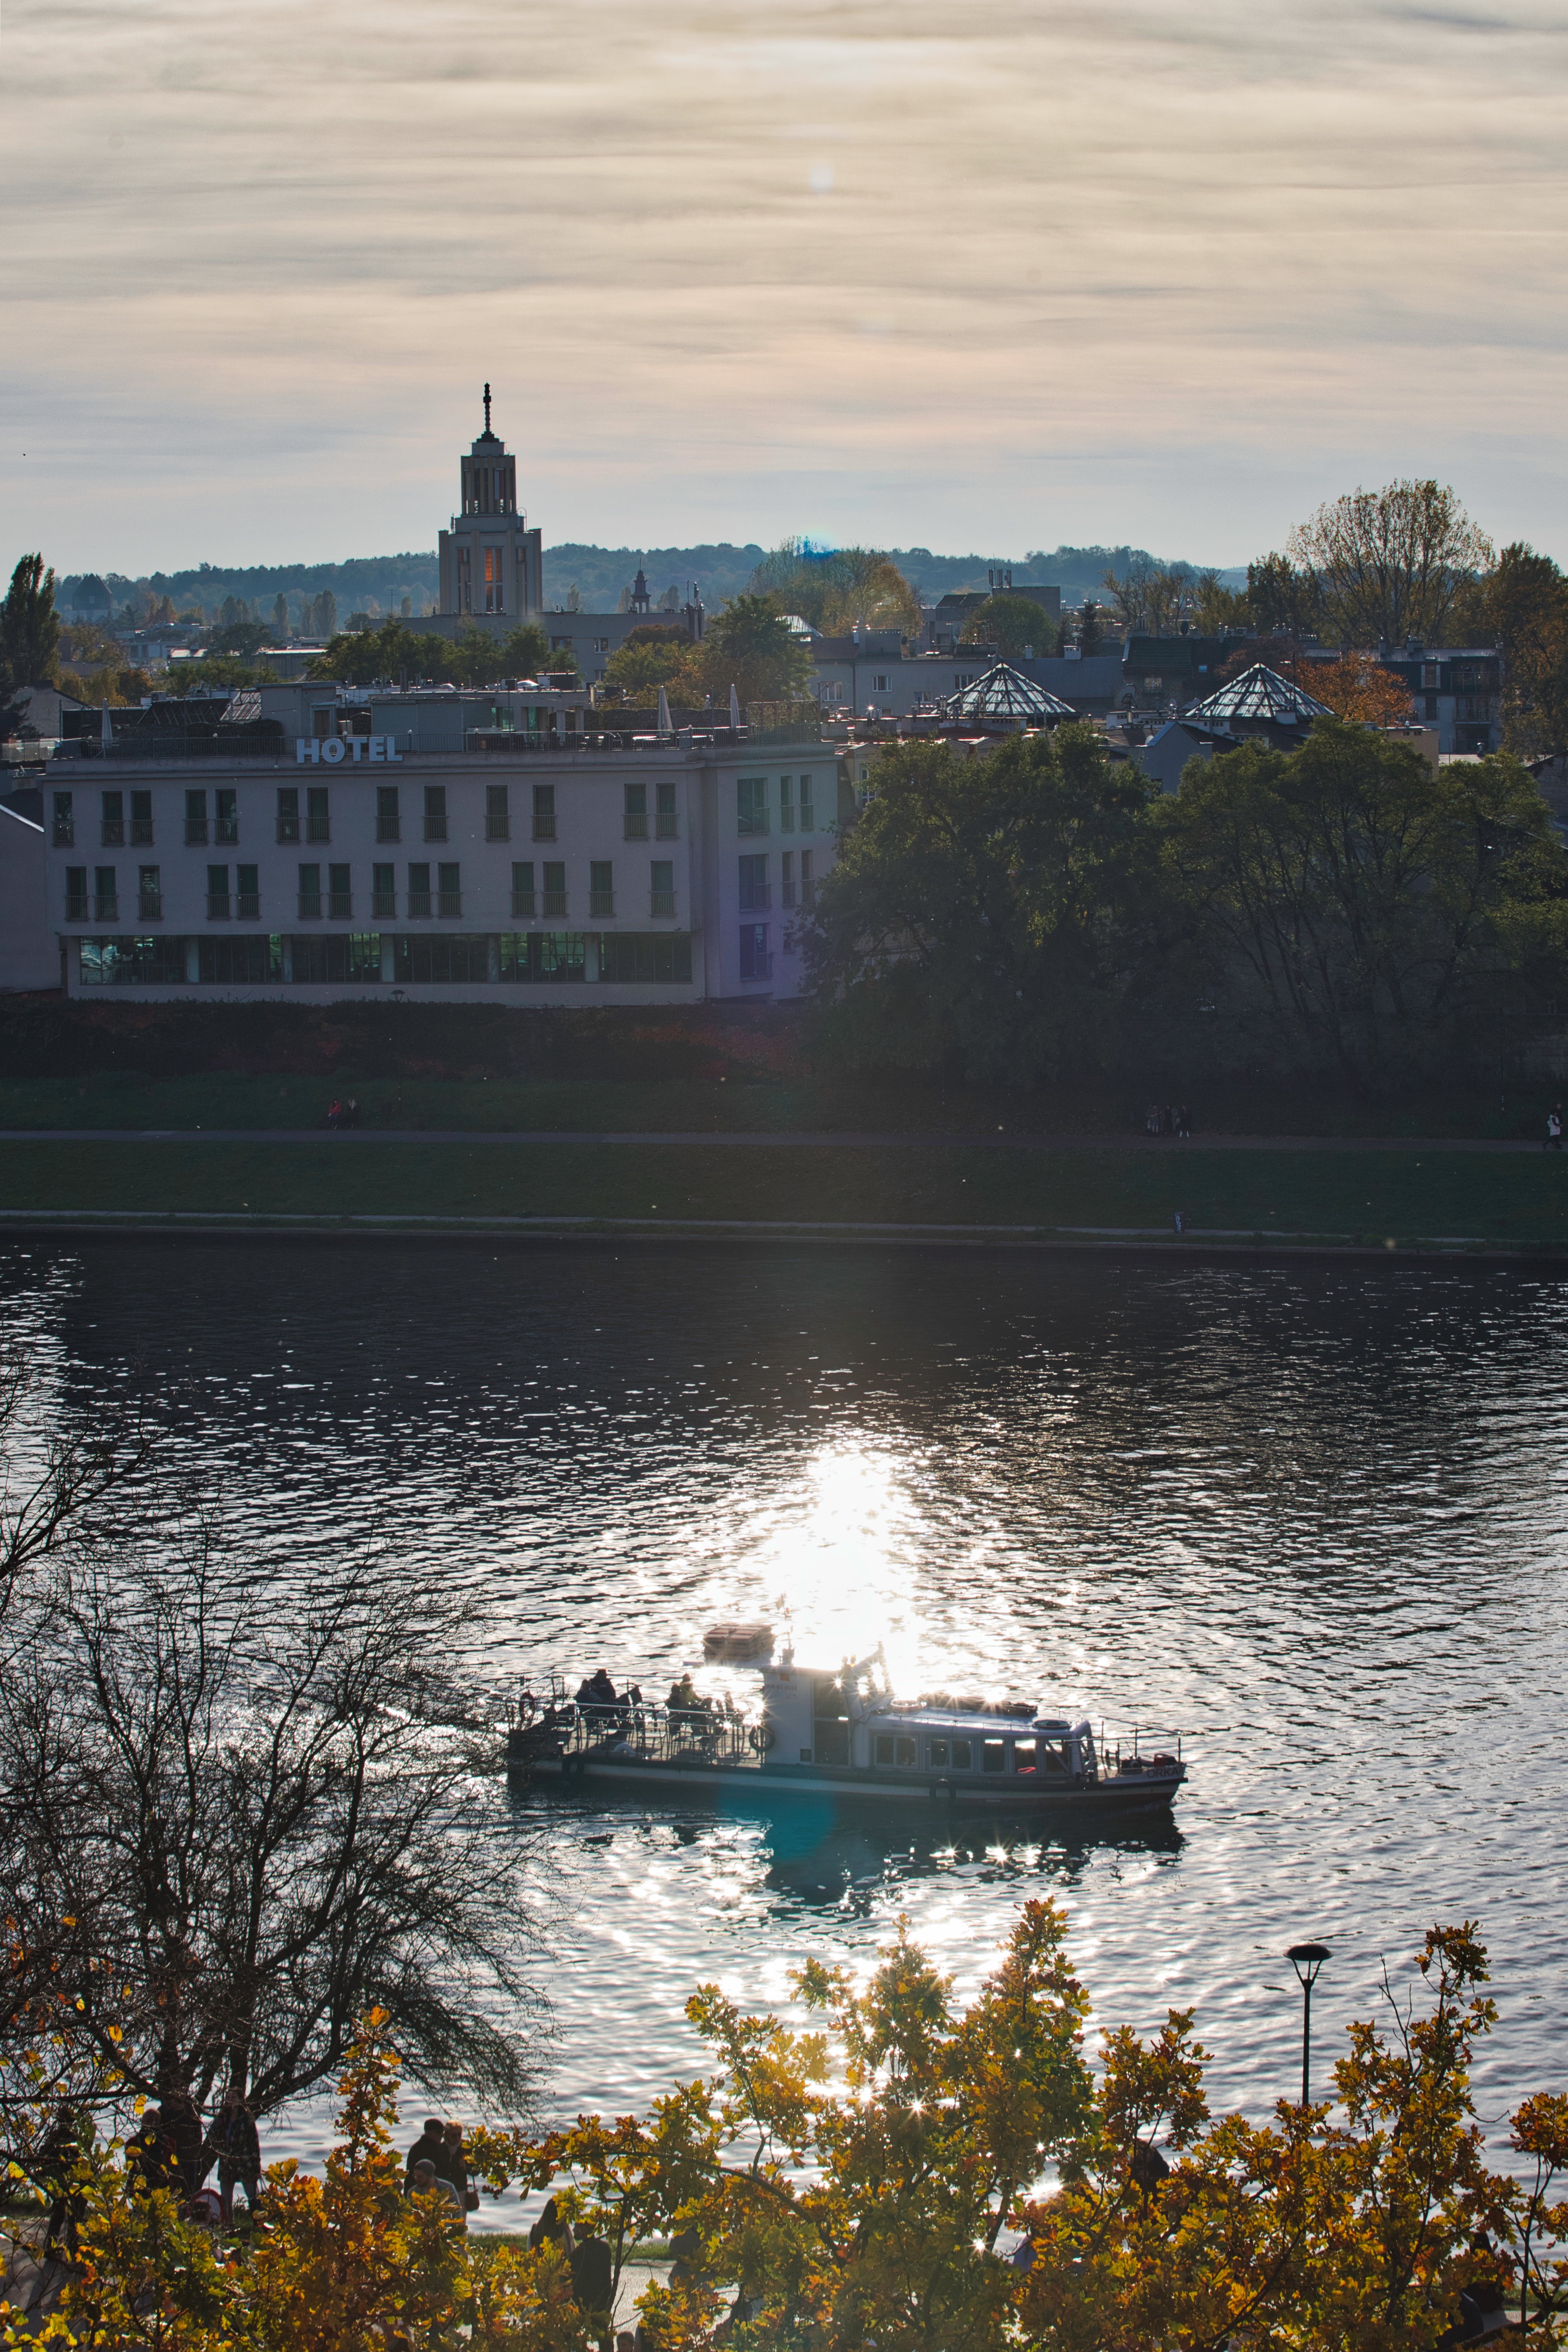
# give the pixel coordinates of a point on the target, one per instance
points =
(486, 408)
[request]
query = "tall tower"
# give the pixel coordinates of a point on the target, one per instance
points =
(492, 565)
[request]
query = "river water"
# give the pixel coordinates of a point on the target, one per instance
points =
(1313, 1516)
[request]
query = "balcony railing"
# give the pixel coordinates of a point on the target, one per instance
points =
(106, 907)
(522, 905)
(226, 828)
(387, 828)
(111, 833)
(65, 833)
(196, 832)
(248, 905)
(150, 906)
(661, 905)
(757, 821)
(555, 904)
(288, 828)
(545, 828)
(218, 904)
(664, 825)
(636, 827)
(340, 905)
(434, 828)
(140, 833)
(498, 827)
(448, 904)
(383, 902)
(318, 828)
(310, 906)
(418, 905)
(757, 899)
(601, 902)
(76, 908)
(762, 968)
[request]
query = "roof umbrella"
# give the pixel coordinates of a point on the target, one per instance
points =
(734, 706)
(107, 732)
(664, 726)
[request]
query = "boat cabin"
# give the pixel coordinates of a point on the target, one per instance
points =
(851, 1720)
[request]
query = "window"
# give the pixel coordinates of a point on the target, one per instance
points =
(495, 595)
(661, 888)
(142, 820)
(522, 889)
(218, 893)
(226, 811)
(426, 957)
(993, 1755)
(601, 645)
(76, 894)
(340, 955)
(753, 883)
(464, 580)
(309, 894)
(418, 892)
(751, 804)
(601, 887)
(664, 822)
(105, 895)
(449, 897)
(893, 1747)
(195, 819)
(628, 957)
(246, 896)
(112, 830)
(498, 814)
(1023, 1756)
(808, 815)
(560, 644)
(544, 812)
(755, 962)
(287, 813)
(435, 812)
(542, 957)
(830, 1723)
(318, 813)
(962, 1756)
(340, 895)
(634, 817)
(807, 886)
(383, 889)
(243, 963)
(153, 962)
(1431, 706)
(65, 823)
(388, 824)
(879, 682)
(1429, 673)
(786, 803)
(786, 878)
(936, 1755)
(554, 890)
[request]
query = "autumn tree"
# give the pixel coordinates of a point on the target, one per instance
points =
(1356, 687)
(1215, 608)
(1522, 608)
(1388, 564)
(832, 588)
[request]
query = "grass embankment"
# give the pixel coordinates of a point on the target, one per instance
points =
(1513, 1201)
(738, 1105)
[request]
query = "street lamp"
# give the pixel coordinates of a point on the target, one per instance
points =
(1307, 1959)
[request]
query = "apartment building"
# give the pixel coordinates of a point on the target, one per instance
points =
(351, 860)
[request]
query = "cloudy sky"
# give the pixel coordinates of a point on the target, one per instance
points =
(988, 275)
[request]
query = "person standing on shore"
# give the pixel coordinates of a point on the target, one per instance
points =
(1554, 1129)
(236, 2143)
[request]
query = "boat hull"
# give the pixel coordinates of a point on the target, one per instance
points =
(606, 1773)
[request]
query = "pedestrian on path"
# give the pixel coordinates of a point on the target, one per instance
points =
(1184, 1121)
(1554, 1129)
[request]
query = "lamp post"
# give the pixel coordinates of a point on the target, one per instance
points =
(1307, 1959)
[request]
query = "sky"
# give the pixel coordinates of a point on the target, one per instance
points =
(989, 276)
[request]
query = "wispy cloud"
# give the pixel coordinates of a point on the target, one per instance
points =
(737, 267)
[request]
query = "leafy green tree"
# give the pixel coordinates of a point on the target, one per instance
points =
(1282, 600)
(652, 658)
(1359, 911)
(1089, 627)
(524, 650)
(1388, 564)
(835, 587)
(751, 646)
(29, 627)
(992, 913)
(280, 617)
(1521, 606)
(1013, 624)
(1215, 608)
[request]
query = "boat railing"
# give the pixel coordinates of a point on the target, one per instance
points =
(1135, 1747)
(706, 1734)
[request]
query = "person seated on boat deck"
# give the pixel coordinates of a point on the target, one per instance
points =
(598, 1697)
(684, 1702)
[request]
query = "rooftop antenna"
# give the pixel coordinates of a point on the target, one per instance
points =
(486, 408)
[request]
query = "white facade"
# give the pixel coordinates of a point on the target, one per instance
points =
(348, 866)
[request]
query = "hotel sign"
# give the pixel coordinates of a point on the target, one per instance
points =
(333, 749)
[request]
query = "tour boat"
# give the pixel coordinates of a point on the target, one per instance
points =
(841, 1733)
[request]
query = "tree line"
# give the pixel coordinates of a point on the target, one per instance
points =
(1344, 910)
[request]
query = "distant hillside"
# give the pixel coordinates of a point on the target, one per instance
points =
(380, 582)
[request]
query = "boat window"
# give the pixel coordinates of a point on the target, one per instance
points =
(962, 1756)
(884, 1747)
(938, 1754)
(993, 1755)
(1053, 1756)
(1023, 1756)
(907, 1752)
(830, 1723)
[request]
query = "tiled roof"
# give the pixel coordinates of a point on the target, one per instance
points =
(1003, 692)
(1258, 693)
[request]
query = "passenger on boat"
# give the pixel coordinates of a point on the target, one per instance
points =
(684, 1699)
(598, 1697)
